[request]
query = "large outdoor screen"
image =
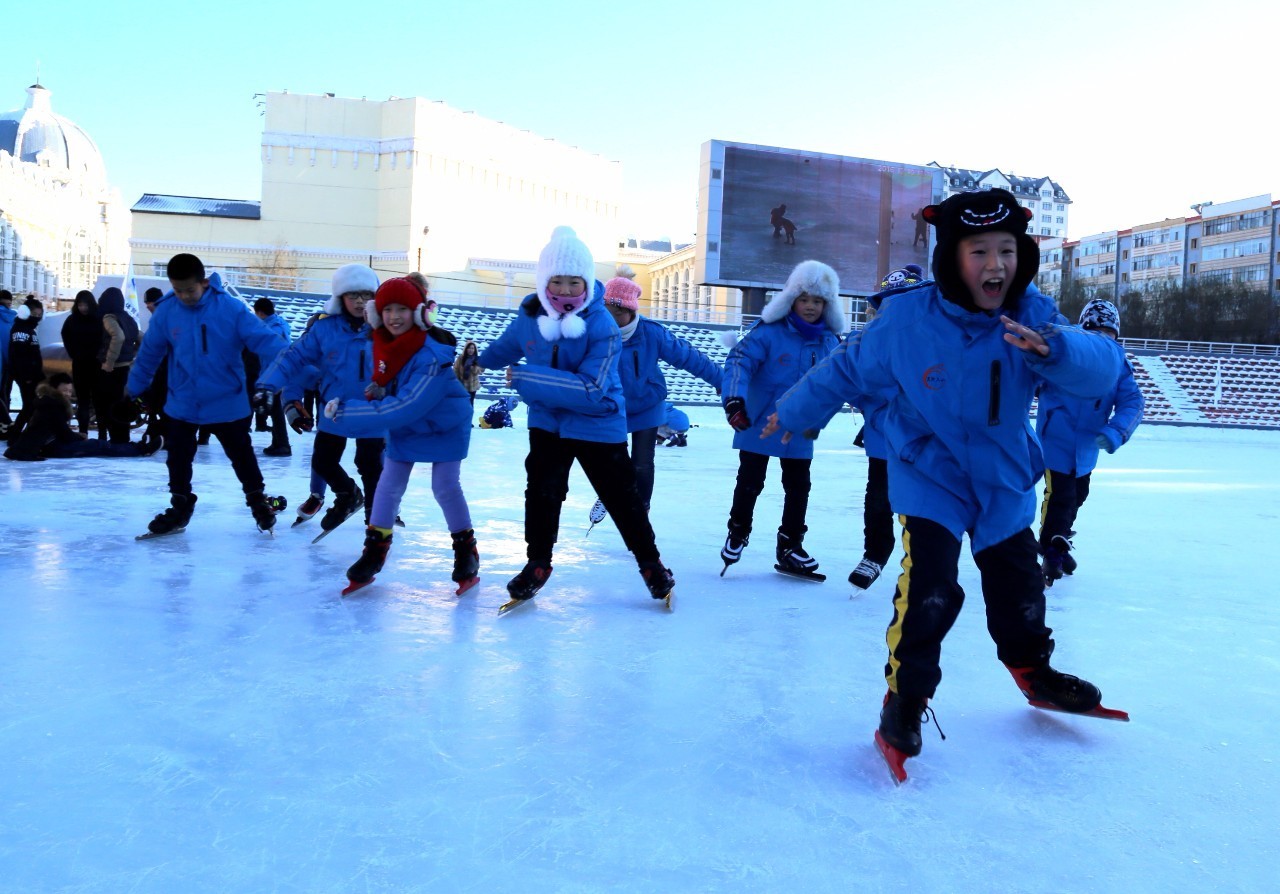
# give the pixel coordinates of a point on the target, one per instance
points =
(762, 210)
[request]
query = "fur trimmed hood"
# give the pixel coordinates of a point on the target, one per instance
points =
(810, 278)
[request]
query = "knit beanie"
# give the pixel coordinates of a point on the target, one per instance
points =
(902, 278)
(971, 213)
(1100, 313)
(398, 291)
(564, 255)
(622, 291)
(810, 278)
(349, 278)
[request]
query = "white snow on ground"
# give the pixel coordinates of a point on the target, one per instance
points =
(204, 712)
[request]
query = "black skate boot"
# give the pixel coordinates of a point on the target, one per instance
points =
(865, 574)
(1055, 559)
(264, 509)
(361, 572)
(793, 560)
(525, 585)
(898, 736)
(174, 519)
(660, 581)
(1045, 687)
(734, 544)
(344, 506)
(466, 560)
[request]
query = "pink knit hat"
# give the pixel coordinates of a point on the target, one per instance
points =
(622, 291)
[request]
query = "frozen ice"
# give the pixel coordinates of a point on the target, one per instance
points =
(204, 712)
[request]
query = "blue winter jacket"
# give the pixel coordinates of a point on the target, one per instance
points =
(1069, 426)
(644, 385)
(277, 323)
(425, 415)
(571, 385)
(962, 451)
(7, 318)
(341, 353)
(203, 344)
(760, 368)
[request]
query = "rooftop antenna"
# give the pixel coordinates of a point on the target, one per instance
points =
(37, 72)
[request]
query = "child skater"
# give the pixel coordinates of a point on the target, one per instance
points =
(339, 346)
(644, 343)
(877, 517)
(798, 327)
(569, 380)
(1072, 430)
(417, 400)
(962, 358)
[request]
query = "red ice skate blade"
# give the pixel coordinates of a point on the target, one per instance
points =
(893, 759)
(1100, 712)
(465, 585)
(352, 586)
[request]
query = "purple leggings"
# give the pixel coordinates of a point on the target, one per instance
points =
(446, 487)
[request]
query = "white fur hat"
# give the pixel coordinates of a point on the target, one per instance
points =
(564, 255)
(810, 278)
(349, 278)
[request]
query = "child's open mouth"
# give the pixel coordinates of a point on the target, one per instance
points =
(993, 287)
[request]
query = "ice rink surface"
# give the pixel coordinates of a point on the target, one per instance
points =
(204, 712)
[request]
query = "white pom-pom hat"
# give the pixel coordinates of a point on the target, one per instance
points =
(564, 255)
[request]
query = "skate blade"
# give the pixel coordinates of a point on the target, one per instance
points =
(512, 604)
(812, 576)
(352, 586)
(1099, 712)
(466, 585)
(893, 759)
(670, 601)
(301, 520)
(322, 535)
(150, 535)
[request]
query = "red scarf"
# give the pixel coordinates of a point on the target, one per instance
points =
(391, 353)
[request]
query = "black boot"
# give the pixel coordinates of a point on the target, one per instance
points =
(466, 556)
(900, 722)
(264, 508)
(529, 581)
(345, 505)
(791, 554)
(737, 540)
(1062, 691)
(1055, 557)
(373, 557)
(176, 517)
(658, 579)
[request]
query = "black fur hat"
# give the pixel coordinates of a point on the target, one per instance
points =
(970, 213)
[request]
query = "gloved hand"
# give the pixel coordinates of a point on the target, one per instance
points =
(1104, 444)
(128, 410)
(374, 391)
(333, 408)
(262, 400)
(295, 413)
(735, 410)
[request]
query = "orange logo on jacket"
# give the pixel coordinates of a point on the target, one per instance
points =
(935, 377)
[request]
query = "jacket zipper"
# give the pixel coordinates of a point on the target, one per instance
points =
(993, 404)
(362, 364)
(635, 357)
(204, 338)
(555, 355)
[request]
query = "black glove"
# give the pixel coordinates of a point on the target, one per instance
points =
(262, 400)
(297, 416)
(128, 410)
(735, 410)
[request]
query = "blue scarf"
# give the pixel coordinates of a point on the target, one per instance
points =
(808, 330)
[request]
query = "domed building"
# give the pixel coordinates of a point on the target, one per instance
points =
(61, 223)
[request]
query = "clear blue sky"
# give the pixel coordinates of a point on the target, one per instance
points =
(1138, 109)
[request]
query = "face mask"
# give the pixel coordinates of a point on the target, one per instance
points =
(566, 304)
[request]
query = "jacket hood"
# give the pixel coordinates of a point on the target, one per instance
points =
(810, 278)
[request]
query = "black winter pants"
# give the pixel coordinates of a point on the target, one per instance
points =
(607, 467)
(84, 378)
(326, 461)
(877, 518)
(109, 392)
(795, 492)
(643, 443)
(236, 444)
(1064, 494)
(928, 600)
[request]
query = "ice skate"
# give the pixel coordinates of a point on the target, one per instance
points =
(794, 561)
(737, 540)
(1055, 559)
(898, 736)
(596, 515)
(173, 520)
(372, 558)
(660, 581)
(466, 560)
(525, 585)
(1052, 690)
(344, 506)
(865, 574)
(309, 508)
(264, 509)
